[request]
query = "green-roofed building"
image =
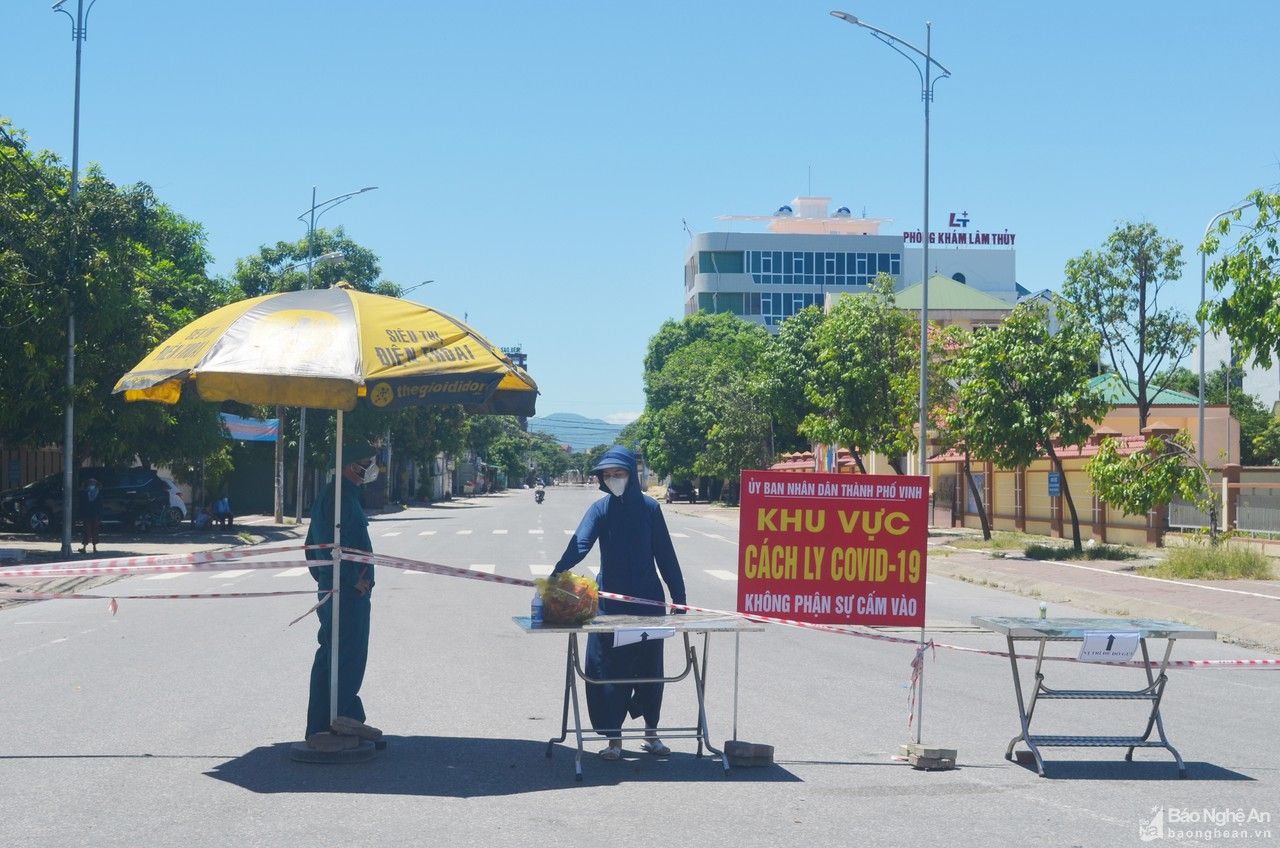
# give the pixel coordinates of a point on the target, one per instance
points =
(1118, 389)
(951, 302)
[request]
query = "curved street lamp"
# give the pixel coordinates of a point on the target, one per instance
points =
(316, 210)
(79, 24)
(927, 80)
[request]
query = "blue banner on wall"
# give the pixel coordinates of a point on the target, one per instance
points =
(250, 429)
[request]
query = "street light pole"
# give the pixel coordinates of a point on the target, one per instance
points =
(1207, 228)
(311, 240)
(78, 24)
(927, 80)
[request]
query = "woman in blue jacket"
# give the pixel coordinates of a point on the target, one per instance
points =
(633, 538)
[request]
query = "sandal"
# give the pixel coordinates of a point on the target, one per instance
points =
(655, 747)
(611, 753)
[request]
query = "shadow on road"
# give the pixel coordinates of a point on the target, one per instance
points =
(1120, 770)
(468, 767)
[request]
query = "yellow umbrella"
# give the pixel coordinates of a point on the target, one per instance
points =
(331, 349)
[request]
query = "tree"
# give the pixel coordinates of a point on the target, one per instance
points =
(1025, 391)
(703, 414)
(945, 346)
(284, 266)
(864, 385)
(1117, 290)
(1250, 313)
(1152, 476)
(133, 271)
(1225, 384)
(787, 367)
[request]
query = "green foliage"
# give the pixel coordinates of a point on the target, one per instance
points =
(1021, 387)
(1250, 312)
(1149, 477)
(1259, 432)
(787, 367)
(863, 390)
(133, 271)
(1117, 291)
(284, 266)
(1224, 562)
(705, 413)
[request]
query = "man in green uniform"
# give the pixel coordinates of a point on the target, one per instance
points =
(357, 588)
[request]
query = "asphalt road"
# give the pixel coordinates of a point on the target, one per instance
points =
(168, 723)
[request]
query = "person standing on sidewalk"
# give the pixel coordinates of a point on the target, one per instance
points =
(357, 590)
(633, 537)
(90, 514)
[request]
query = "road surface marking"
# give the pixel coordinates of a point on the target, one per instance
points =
(427, 533)
(540, 570)
(535, 532)
(485, 568)
(464, 532)
(594, 569)
(568, 532)
(293, 572)
(721, 574)
(499, 532)
(167, 576)
(394, 533)
(680, 535)
(227, 575)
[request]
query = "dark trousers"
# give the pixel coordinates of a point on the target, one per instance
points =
(609, 703)
(89, 532)
(353, 653)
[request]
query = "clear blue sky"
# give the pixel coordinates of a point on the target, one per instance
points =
(536, 159)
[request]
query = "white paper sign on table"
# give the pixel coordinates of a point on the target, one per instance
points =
(631, 635)
(1109, 646)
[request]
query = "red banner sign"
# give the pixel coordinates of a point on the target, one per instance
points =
(833, 548)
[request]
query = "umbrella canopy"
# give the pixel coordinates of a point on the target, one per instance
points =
(331, 349)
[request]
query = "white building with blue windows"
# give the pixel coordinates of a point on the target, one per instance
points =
(807, 253)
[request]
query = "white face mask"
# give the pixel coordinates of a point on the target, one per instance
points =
(370, 474)
(616, 485)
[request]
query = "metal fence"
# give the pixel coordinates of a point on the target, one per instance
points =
(1187, 516)
(1258, 510)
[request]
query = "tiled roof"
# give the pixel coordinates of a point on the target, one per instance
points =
(946, 293)
(1112, 387)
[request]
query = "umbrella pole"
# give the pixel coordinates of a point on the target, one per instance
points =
(336, 583)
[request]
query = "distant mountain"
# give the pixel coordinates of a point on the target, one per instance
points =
(578, 432)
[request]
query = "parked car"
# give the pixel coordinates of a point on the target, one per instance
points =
(177, 507)
(681, 492)
(130, 496)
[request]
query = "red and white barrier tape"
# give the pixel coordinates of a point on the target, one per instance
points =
(218, 561)
(151, 564)
(436, 568)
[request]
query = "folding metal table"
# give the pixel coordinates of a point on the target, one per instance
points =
(704, 623)
(1074, 630)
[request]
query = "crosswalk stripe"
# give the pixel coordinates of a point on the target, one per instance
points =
(540, 570)
(427, 533)
(168, 576)
(680, 535)
(568, 532)
(293, 572)
(227, 575)
(536, 532)
(395, 533)
(721, 573)
(485, 569)
(464, 532)
(499, 532)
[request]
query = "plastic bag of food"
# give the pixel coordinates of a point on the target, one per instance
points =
(568, 599)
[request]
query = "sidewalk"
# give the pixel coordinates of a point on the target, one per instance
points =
(1245, 612)
(120, 542)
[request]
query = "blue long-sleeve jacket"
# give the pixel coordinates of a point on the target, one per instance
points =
(633, 538)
